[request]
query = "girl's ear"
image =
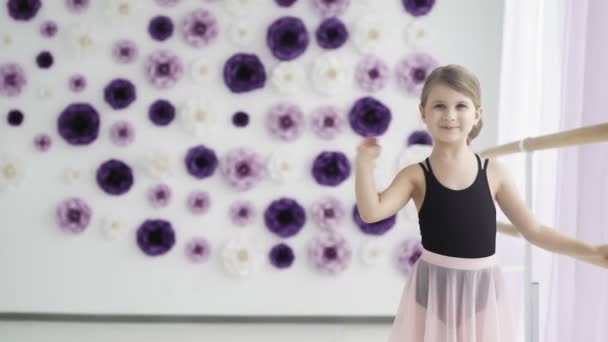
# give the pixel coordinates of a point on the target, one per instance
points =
(478, 114)
(421, 109)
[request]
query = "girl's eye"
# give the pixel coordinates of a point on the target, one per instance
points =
(438, 106)
(462, 106)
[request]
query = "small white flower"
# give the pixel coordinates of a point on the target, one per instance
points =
(44, 91)
(241, 256)
(112, 226)
(241, 8)
(371, 252)
(198, 116)
(288, 77)
(122, 11)
(158, 164)
(12, 172)
(80, 41)
(284, 167)
(416, 33)
(240, 33)
(329, 76)
(368, 34)
(72, 175)
(6, 40)
(200, 71)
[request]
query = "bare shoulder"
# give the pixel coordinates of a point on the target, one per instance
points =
(497, 174)
(413, 175)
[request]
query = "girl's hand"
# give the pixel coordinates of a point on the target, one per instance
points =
(602, 250)
(600, 258)
(368, 149)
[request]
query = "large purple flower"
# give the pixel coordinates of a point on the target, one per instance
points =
(15, 117)
(331, 8)
(281, 256)
(287, 38)
(418, 8)
(243, 168)
(285, 217)
(201, 161)
(419, 138)
(408, 252)
(285, 121)
(327, 212)
(285, 3)
(73, 215)
(242, 212)
(412, 71)
(375, 228)
(120, 93)
(78, 124)
(244, 72)
(155, 237)
(369, 117)
(124, 51)
(371, 73)
(329, 252)
(327, 122)
(332, 33)
(160, 27)
(23, 9)
(12, 79)
(331, 168)
(198, 249)
(161, 112)
(115, 177)
(199, 28)
(163, 69)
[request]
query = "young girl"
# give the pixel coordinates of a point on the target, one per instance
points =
(455, 291)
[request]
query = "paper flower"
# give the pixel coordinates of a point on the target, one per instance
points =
(198, 202)
(331, 8)
(331, 168)
(244, 72)
(200, 70)
(44, 91)
(241, 256)
(331, 33)
(81, 42)
(416, 33)
(198, 250)
(201, 161)
(284, 167)
(369, 117)
(15, 117)
(44, 59)
(73, 215)
(158, 164)
(371, 252)
(327, 122)
(288, 77)
(375, 228)
(240, 33)
(198, 116)
(419, 137)
(408, 252)
(240, 119)
(72, 175)
(281, 256)
(329, 75)
(161, 112)
(160, 28)
(242, 212)
(285, 3)
(327, 212)
(285, 121)
(23, 10)
(48, 28)
(78, 124)
(329, 253)
(243, 168)
(163, 69)
(120, 93)
(371, 73)
(284, 217)
(122, 11)
(12, 79)
(159, 196)
(368, 34)
(112, 226)
(155, 237)
(115, 177)
(412, 71)
(12, 172)
(125, 51)
(77, 6)
(199, 28)
(77, 83)
(418, 8)
(42, 142)
(287, 38)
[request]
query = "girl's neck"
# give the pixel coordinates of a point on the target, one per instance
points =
(451, 152)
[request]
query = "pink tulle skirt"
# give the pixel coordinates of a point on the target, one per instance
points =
(448, 299)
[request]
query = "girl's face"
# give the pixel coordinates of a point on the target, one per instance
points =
(448, 114)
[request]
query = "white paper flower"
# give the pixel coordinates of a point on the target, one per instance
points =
(122, 11)
(329, 76)
(371, 252)
(288, 77)
(44, 91)
(158, 164)
(80, 41)
(240, 33)
(241, 256)
(12, 172)
(6, 40)
(112, 226)
(72, 175)
(416, 33)
(241, 8)
(200, 70)
(368, 34)
(284, 166)
(198, 116)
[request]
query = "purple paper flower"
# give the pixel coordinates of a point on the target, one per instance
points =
(159, 196)
(285, 3)
(120, 93)
(77, 83)
(331, 8)
(160, 28)
(240, 119)
(198, 249)
(155, 237)
(124, 51)
(199, 28)
(48, 29)
(408, 252)
(375, 228)
(327, 212)
(12, 79)
(42, 142)
(73, 215)
(23, 9)
(242, 213)
(201, 161)
(418, 8)
(163, 69)
(122, 133)
(167, 3)
(327, 122)
(420, 138)
(369, 117)
(285, 217)
(287, 38)
(244, 72)
(78, 124)
(44, 60)
(412, 71)
(281, 256)
(161, 112)
(77, 6)
(371, 73)
(15, 117)
(243, 168)
(199, 202)
(285, 121)
(329, 252)
(115, 177)
(332, 33)
(331, 168)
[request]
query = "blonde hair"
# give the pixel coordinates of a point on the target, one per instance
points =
(461, 80)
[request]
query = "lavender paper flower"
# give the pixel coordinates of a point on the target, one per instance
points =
(163, 69)
(12, 79)
(285, 121)
(331, 168)
(159, 196)
(160, 28)
(419, 138)
(418, 8)
(73, 215)
(412, 71)
(198, 249)
(371, 73)
(161, 112)
(201, 161)
(23, 10)
(284, 217)
(199, 28)
(77, 6)
(331, 8)
(78, 124)
(115, 177)
(155, 237)
(42, 142)
(243, 168)
(332, 33)
(120, 93)
(281, 256)
(125, 51)
(369, 117)
(287, 38)
(408, 253)
(244, 72)
(327, 212)
(327, 122)
(199, 202)
(122, 133)
(48, 29)
(77, 83)
(242, 213)
(329, 252)
(375, 228)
